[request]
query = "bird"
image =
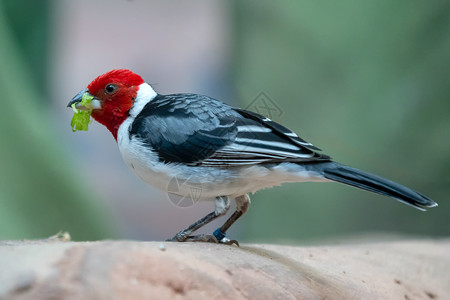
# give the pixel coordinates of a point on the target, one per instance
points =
(230, 152)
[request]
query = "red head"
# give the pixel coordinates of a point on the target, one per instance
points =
(115, 92)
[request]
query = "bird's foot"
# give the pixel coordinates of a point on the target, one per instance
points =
(218, 238)
(227, 241)
(222, 238)
(194, 238)
(207, 238)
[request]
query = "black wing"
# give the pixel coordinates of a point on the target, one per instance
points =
(198, 130)
(185, 128)
(261, 140)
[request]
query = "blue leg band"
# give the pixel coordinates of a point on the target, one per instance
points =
(219, 234)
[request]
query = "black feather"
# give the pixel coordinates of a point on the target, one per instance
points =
(370, 182)
(184, 128)
(199, 130)
(277, 128)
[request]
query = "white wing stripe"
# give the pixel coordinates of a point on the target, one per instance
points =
(267, 143)
(253, 128)
(244, 149)
(294, 135)
(291, 134)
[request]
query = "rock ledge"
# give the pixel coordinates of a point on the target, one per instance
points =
(54, 269)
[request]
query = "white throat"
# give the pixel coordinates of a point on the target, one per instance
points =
(144, 95)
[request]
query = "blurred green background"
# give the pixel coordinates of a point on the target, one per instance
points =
(368, 82)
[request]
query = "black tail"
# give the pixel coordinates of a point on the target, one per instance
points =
(351, 176)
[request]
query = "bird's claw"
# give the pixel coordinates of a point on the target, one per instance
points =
(211, 239)
(205, 238)
(194, 238)
(227, 241)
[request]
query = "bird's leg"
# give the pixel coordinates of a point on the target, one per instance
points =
(242, 204)
(222, 206)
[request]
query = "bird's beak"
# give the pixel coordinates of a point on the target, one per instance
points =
(94, 104)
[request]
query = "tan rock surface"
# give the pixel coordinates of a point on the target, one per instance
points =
(52, 269)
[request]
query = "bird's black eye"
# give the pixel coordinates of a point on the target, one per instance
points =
(111, 88)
